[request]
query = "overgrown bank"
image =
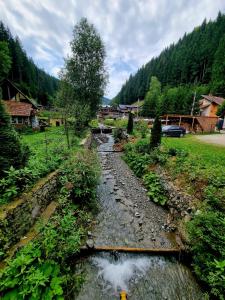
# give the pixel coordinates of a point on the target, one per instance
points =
(47, 150)
(199, 170)
(41, 270)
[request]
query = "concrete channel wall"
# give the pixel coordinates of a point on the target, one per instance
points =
(17, 217)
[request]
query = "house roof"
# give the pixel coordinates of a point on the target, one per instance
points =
(124, 106)
(217, 100)
(28, 99)
(15, 108)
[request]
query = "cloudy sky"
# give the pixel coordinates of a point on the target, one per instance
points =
(133, 30)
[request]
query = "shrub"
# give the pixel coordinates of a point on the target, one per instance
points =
(14, 182)
(80, 176)
(109, 122)
(155, 189)
(119, 135)
(142, 146)
(12, 152)
(138, 163)
(142, 127)
(40, 269)
(93, 123)
(207, 239)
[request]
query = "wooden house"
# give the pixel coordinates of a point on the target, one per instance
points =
(22, 110)
(209, 105)
(197, 124)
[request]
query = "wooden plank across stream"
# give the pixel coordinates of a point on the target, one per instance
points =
(134, 250)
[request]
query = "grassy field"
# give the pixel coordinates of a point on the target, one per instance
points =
(48, 149)
(208, 156)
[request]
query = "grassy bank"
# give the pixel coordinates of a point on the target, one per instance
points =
(42, 269)
(47, 151)
(199, 169)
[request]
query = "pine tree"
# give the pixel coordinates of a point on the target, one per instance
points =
(12, 152)
(155, 139)
(218, 70)
(130, 123)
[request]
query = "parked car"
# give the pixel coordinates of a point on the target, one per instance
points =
(173, 130)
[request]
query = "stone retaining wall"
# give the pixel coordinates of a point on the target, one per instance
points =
(180, 204)
(18, 216)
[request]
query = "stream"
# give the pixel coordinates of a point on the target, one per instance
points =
(127, 218)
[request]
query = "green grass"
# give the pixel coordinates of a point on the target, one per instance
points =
(48, 149)
(208, 155)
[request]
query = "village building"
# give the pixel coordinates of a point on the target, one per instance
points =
(125, 109)
(21, 109)
(209, 105)
(206, 121)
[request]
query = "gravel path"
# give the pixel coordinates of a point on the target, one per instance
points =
(218, 139)
(127, 217)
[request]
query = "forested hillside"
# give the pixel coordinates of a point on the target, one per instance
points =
(33, 81)
(196, 61)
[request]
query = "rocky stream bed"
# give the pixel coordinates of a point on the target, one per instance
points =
(128, 218)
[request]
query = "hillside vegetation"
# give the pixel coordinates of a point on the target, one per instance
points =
(194, 63)
(32, 80)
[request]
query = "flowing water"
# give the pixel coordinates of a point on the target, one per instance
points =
(128, 218)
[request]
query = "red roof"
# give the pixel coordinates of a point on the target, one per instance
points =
(15, 108)
(217, 100)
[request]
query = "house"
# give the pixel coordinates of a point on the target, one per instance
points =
(209, 105)
(191, 123)
(22, 110)
(125, 109)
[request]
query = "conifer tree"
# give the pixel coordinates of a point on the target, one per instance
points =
(12, 152)
(155, 139)
(130, 123)
(218, 69)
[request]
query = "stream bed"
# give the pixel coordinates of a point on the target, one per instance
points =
(127, 218)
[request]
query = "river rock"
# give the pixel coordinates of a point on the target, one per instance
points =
(90, 243)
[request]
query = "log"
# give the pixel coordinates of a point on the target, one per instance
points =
(136, 250)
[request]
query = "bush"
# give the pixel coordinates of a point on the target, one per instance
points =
(142, 127)
(93, 123)
(155, 189)
(119, 135)
(80, 177)
(142, 146)
(109, 122)
(12, 152)
(40, 269)
(207, 240)
(14, 182)
(138, 163)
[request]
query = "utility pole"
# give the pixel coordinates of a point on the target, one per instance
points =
(193, 104)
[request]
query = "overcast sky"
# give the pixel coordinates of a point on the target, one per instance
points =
(133, 31)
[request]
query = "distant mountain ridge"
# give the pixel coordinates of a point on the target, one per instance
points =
(106, 101)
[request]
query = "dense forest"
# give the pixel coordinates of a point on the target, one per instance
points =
(194, 65)
(33, 81)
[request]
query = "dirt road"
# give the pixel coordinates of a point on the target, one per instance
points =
(218, 139)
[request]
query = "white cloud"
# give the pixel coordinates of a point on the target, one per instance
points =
(133, 30)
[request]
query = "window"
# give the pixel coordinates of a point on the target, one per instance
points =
(14, 120)
(20, 120)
